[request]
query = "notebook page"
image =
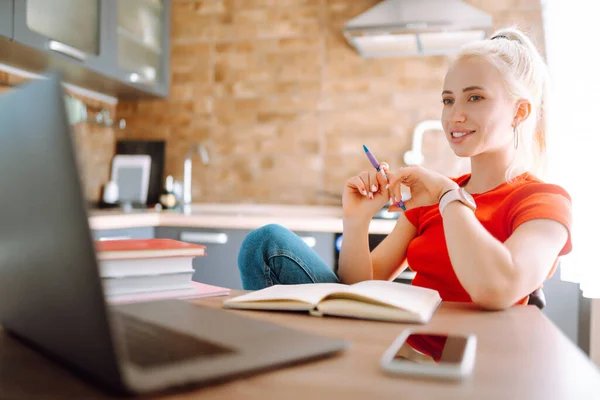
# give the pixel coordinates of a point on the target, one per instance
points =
(411, 298)
(307, 293)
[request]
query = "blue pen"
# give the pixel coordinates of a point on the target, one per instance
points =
(376, 164)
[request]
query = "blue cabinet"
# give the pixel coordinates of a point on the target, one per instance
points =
(116, 47)
(70, 30)
(6, 19)
(568, 309)
(146, 232)
(219, 266)
(140, 34)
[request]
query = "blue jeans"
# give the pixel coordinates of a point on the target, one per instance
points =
(274, 255)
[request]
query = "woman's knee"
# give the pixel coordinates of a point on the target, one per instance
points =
(265, 235)
(255, 245)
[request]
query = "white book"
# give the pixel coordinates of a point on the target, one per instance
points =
(118, 258)
(376, 300)
(144, 266)
(197, 290)
(147, 283)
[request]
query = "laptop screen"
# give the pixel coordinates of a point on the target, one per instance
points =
(50, 291)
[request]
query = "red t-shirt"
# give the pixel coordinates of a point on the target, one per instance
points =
(500, 210)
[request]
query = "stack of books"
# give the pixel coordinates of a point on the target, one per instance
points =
(147, 269)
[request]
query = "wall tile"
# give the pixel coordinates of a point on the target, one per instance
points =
(284, 104)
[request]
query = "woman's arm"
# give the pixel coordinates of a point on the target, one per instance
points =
(358, 264)
(495, 274)
(389, 255)
(355, 257)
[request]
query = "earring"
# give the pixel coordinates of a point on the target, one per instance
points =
(516, 136)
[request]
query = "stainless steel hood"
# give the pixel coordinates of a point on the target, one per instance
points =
(395, 28)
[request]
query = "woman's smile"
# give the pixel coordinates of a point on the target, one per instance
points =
(460, 135)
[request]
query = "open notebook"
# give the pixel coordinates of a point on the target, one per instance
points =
(377, 300)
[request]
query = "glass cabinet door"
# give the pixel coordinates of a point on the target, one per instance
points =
(71, 26)
(140, 40)
(6, 19)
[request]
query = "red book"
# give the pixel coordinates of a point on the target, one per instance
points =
(146, 248)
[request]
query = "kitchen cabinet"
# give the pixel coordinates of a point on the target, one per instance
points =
(567, 309)
(116, 47)
(141, 33)
(322, 243)
(219, 266)
(67, 29)
(6, 18)
(145, 232)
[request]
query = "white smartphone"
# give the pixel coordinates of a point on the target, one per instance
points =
(430, 354)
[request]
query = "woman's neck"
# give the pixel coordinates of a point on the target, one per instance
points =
(488, 171)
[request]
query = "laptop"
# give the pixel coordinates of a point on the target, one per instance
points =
(51, 293)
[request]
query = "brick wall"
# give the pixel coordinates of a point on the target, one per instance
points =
(282, 102)
(94, 143)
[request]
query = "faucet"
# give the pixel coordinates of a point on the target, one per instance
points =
(187, 172)
(415, 155)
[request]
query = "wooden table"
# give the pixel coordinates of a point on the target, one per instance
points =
(520, 355)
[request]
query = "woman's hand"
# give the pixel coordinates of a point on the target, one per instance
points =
(426, 187)
(365, 194)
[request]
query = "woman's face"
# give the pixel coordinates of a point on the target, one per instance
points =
(478, 111)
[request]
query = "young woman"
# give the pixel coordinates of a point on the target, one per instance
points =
(492, 236)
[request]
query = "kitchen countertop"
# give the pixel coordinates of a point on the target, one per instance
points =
(234, 216)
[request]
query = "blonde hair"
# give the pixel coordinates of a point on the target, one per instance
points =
(526, 77)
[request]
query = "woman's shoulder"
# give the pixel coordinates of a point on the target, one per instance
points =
(531, 198)
(527, 184)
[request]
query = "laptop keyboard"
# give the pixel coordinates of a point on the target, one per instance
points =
(152, 345)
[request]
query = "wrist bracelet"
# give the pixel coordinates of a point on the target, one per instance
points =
(443, 194)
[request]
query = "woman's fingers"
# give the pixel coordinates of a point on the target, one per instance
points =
(404, 175)
(367, 183)
(396, 206)
(408, 203)
(391, 183)
(363, 183)
(382, 177)
(358, 184)
(397, 192)
(373, 185)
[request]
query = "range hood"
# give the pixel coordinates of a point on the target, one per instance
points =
(395, 28)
